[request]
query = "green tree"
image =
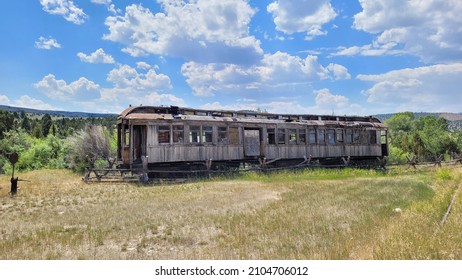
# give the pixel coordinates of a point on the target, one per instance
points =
(426, 137)
(6, 122)
(46, 124)
(25, 124)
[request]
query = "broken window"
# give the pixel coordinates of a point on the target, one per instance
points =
(194, 134)
(271, 136)
(331, 136)
(207, 134)
(178, 134)
(302, 136)
(321, 136)
(164, 134)
(223, 135)
(292, 136)
(281, 136)
(312, 135)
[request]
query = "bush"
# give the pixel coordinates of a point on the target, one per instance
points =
(43, 153)
(92, 143)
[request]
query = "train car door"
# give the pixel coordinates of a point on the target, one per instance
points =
(252, 142)
(139, 142)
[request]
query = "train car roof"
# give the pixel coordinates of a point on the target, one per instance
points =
(147, 113)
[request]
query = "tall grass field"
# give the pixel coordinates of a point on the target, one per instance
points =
(313, 214)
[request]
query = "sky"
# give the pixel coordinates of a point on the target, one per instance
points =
(342, 57)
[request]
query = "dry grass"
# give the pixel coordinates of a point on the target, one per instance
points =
(335, 214)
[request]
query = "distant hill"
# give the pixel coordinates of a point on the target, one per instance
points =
(52, 113)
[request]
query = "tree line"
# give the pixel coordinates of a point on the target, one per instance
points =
(43, 141)
(426, 137)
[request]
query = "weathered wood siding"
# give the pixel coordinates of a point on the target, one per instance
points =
(251, 142)
(194, 153)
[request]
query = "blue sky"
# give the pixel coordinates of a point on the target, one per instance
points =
(301, 56)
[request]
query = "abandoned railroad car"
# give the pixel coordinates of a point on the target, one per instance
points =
(175, 138)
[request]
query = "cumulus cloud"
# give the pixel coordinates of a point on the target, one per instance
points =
(339, 72)
(133, 87)
(429, 88)
(305, 16)
(429, 29)
(128, 77)
(108, 3)
(326, 100)
(47, 43)
(98, 56)
(64, 8)
(61, 90)
(198, 30)
(26, 101)
(143, 65)
(128, 86)
(276, 71)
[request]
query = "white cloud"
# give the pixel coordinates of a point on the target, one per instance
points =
(429, 29)
(307, 16)
(339, 72)
(200, 30)
(99, 56)
(129, 86)
(143, 65)
(133, 87)
(326, 100)
(429, 88)
(26, 101)
(59, 89)
(275, 72)
(127, 77)
(4, 100)
(108, 3)
(295, 107)
(47, 43)
(64, 8)
(163, 99)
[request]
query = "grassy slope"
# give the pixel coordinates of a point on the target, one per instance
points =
(326, 214)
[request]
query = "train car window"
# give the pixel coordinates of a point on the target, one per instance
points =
(349, 136)
(373, 136)
(223, 135)
(331, 136)
(339, 135)
(234, 135)
(178, 134)
(207, 134)
(164, 134)
(302, 136)
(321, 136)
(383, 137)
(292, 136)
(271, 136)
(281, 136)
(194, 134)
(312, 135)
(126, 136)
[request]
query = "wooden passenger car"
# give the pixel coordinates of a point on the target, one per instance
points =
(178, 137)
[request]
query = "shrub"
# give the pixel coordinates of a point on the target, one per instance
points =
(88, 145)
